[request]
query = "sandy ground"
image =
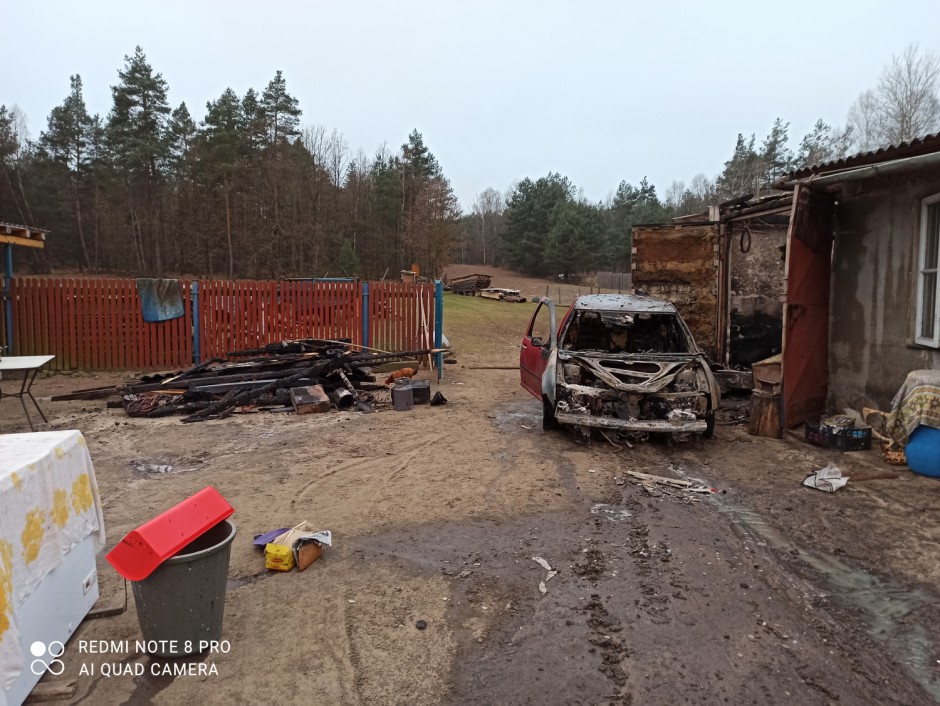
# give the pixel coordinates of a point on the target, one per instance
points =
(763, 592)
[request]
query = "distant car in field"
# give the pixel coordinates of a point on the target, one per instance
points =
(621, 363)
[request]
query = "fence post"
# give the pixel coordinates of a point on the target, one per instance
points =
(194, 303)
(8, 297)
(439, 326)
(365, 314)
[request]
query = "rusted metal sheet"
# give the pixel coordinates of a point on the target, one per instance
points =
(806, 312)
(679, 263)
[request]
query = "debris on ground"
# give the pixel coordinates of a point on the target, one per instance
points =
(651, 482)
(299, 546)
(304, 376)
(828, 479)
(438, 399)
(541, 562)
(503, 295)
(550, 572)
(470, 284)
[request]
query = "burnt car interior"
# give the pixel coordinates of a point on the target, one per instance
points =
(623, 332)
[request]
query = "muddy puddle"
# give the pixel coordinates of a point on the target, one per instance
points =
(614, 513)
(886, 606)
(518, 416)
(159, 468)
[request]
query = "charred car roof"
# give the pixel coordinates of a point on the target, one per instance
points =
(624, 302)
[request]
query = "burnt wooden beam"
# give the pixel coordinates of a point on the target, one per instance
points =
(321, 367)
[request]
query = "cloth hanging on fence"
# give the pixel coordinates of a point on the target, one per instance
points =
(160, 299)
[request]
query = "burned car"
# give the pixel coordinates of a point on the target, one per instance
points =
(619, 363)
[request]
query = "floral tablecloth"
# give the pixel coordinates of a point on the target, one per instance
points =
(48, 504)
(916, 403)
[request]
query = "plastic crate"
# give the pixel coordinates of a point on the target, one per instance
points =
(856, 439)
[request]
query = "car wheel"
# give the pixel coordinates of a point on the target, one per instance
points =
(548, 414)
(709, 425)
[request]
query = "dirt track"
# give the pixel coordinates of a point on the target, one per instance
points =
(764, 592)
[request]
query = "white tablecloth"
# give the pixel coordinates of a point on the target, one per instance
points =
(48, 503)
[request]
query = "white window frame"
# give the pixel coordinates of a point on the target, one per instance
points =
(934, 341)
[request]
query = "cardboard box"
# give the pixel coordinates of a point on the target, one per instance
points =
(278, 557)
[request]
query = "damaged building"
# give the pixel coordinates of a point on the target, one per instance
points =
(724, 270)
(837, 271)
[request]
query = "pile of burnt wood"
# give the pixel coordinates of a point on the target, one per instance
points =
(309, 375)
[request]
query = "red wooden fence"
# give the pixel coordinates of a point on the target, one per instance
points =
(96, 324)
(239, 315)
(395, 316)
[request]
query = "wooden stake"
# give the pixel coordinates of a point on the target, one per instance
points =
(426, 335)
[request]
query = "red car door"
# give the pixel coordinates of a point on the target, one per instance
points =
(540, 339)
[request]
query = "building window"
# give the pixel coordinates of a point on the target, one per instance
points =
(928, 285)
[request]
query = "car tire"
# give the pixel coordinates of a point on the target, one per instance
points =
(709, 425)
(548, 415)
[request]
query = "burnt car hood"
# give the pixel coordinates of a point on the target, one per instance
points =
(635, 373)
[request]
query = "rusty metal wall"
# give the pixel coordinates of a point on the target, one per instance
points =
(680, 264)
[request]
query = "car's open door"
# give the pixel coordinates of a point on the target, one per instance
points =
(539, 341)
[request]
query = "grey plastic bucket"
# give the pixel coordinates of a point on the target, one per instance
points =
(183, 600)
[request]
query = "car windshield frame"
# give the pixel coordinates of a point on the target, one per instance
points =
(594, 331)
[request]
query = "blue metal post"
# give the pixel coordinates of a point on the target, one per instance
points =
(365, 314)
(8, 296)
(439, 326)
(194, 298)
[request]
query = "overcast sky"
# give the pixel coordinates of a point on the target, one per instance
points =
(598, 91)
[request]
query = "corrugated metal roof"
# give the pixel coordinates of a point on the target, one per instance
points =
(918, 146)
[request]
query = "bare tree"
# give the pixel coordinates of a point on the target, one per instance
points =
(488, 210)
(903, 105)
(673, 196)
(337, 154)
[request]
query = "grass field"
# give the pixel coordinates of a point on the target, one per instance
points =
(484, 330)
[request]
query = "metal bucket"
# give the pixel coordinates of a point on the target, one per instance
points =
(183, 600)
(402, 395)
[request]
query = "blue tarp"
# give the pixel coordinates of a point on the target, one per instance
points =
(160, 299)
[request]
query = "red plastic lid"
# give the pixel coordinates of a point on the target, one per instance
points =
(145, 548)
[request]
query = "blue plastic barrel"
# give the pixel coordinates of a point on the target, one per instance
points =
(923, 451)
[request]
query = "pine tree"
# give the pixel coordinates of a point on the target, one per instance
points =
(823, 144)
(348, 261)
(281, 111)
(528, 215)
(181, 133)
(222, 139)
(776, 155)
(137, 122)
(743, 173)
(65, 142)
(138, 143)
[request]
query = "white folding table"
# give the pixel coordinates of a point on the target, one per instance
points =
(29, 365)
